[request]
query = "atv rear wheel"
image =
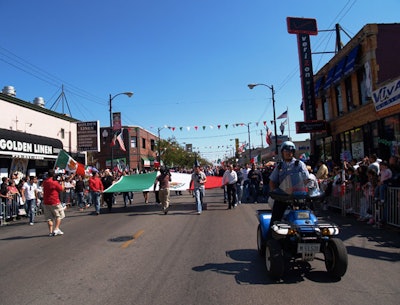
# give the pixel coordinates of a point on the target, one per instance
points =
(260, 242)
(336, 257)
(274, 260)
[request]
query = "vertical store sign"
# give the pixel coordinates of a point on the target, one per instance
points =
(304, 27)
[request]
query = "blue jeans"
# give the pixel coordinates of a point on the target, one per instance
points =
(81, 202)
(31, 209)
(199, 193)
(96, 201)
(265, 191)
(239, 192)
(246, 190)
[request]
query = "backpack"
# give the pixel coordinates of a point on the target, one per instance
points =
(239, 177)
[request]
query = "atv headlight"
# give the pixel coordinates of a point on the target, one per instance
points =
(325, 232)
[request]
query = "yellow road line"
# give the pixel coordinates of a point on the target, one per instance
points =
(135, 236)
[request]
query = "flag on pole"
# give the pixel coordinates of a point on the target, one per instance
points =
(283, 115)
(255, 159)
(64, 161)
(268, 137)
(114, 139)
(120, 140)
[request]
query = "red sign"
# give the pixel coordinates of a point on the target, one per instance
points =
(302, 25)
(311, 126)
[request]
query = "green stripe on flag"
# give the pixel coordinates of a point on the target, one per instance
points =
(62, 159)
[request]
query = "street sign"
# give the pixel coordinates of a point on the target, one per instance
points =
(311, 126)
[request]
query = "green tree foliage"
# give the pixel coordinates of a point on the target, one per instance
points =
(174, 155)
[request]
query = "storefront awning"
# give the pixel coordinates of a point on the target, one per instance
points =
(317, 85)
(351, 60)
(329, 78)
(339, 71)
(146, 161)
(15, 144)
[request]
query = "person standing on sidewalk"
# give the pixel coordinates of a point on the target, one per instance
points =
(30, 194)
(199, 179)
(80, 192)
(229, 180)
(52, 207)
(163, 180)
(96, 188)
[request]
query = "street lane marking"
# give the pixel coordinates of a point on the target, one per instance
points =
(135, 236)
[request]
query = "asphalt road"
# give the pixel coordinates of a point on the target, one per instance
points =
(137, 255)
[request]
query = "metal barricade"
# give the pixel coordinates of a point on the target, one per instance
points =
(393, 206)
(352, 199)
(10, 209)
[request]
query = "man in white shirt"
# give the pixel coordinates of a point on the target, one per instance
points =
(30, 193)
(229, 180)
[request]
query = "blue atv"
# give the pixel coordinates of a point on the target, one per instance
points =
(299, 236)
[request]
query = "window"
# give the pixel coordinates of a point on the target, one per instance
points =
(144, 143)
(339, 101)
(62, 133)
(362, 87)
(325, 107)
(133, 142)
(349, 95)
(152, 145)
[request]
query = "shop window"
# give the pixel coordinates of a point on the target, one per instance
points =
(356, 135)
(391, 127)
(375, 135)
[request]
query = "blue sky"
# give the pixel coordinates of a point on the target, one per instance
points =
(187, 62)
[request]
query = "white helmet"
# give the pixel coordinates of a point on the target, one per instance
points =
(288, 145)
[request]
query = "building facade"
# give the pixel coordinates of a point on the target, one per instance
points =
(140, 149)
(31, 136)
(357, 95)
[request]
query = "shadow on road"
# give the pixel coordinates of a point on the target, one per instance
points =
(249, 269)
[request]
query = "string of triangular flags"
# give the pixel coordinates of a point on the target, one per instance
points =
(284, 115)
(219, 126)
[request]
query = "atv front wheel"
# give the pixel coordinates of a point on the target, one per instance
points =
(274, 260)
(336, 257)
(260, 242)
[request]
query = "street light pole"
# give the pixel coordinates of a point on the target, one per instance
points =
(248, 133)
(129, 94)
(159, 145)
(251, 86)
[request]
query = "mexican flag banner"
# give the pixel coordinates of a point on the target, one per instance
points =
(65, 161)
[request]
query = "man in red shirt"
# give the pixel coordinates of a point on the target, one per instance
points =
(163, 179)
(96, 189)
(52, 207)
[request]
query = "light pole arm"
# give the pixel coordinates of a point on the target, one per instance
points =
(251, 86)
